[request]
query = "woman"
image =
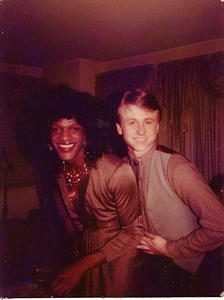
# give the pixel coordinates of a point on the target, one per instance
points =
(95, 194)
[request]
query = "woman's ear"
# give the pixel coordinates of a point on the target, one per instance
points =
(119, 130)
(84, 142)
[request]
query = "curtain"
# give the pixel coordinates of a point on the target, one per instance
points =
(191, 94)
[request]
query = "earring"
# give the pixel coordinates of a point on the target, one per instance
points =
(49, 146)
(84, 142)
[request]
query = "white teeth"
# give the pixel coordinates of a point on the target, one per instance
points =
(140, 140)
(66, 146)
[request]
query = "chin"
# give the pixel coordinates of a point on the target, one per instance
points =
(66, 157)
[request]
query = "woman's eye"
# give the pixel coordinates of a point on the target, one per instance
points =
(75, 128)
(55, 129)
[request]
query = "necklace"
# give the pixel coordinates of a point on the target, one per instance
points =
(71, 180)
(74, 178)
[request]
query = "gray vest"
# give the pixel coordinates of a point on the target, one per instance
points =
(171, 218)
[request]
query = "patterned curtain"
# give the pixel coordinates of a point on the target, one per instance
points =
(191, 93)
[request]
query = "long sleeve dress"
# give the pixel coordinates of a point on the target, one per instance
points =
(111, 200)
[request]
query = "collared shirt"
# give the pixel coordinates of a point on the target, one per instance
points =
(189, 185)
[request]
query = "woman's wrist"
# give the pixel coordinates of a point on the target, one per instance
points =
(91, 260)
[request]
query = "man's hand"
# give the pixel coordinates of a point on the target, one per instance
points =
(153, 244)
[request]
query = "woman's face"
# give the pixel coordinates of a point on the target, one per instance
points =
(67, 138)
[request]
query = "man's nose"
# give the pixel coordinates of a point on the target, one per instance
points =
(141, 129)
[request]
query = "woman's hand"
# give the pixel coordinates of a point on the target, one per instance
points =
(153, 244)
(68, 279)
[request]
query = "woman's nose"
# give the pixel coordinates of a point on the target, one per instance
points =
(65, 135)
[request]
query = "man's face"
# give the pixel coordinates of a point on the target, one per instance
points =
(67, 138)
(139, 127)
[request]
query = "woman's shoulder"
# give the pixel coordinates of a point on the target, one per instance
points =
(110, 163)
(111, 160)
(110, 166)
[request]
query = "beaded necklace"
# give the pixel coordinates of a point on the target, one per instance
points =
(73, 179)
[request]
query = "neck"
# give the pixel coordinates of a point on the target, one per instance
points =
(138, 154)
(72, 177)
(75, 166)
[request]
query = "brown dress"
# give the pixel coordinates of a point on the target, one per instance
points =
(111, 200)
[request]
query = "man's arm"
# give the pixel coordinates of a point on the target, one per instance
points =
(191, 188)
(189, 185)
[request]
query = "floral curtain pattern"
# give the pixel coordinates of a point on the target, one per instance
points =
(191, 93)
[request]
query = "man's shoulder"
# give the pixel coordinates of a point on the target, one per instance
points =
(174, 156)
(164, 149)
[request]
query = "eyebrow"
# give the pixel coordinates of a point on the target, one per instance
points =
(145, 119)
(71, 123)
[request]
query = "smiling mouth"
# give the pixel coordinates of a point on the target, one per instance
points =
(66, 147)
(140, 139)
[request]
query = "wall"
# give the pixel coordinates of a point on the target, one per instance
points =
(20, 201)
(188, 51)
(16, 83)
(78, 73)
(21, 70)
(65, 72)
(87, 71)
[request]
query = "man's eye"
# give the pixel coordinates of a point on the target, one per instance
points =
(132, 123)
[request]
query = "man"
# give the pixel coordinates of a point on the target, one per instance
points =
(182, 216)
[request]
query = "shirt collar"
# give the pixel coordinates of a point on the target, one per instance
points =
(148, 155)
